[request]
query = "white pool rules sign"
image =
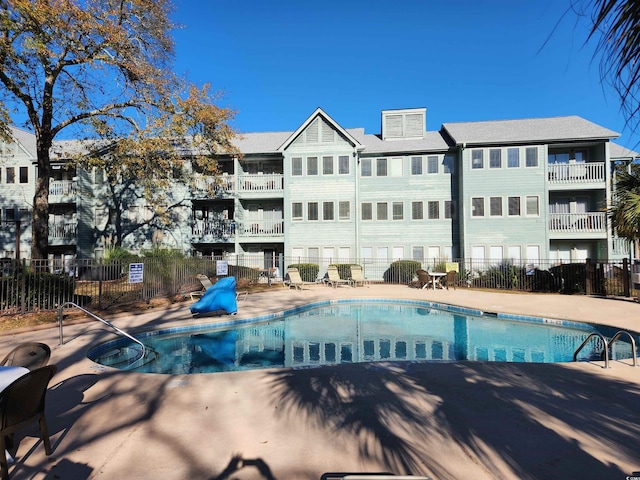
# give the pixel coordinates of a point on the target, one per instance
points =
(136, 272)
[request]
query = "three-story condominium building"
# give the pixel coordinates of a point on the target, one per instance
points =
(522, 190)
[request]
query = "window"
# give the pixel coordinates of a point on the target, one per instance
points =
(447, 165)
(513, 158)
(365, 167)
(432, 164)
(312, 211)
(296, 211)
(417, 211)
(344, 210)
(398, 210)
(395, 169)
(433, 210)
(514, 206)
(327, 165)
(381, 211)
(495, 158)
(533, 205)
(10, 215)
(531, 157)
(495, 206)
(367, 211)
(312, 165)
(417, 253)
(296, 166)
(327, 211)
(343, 165)
(477, 207)
(381, 167)
(416, 165)
(98, 177)
(449, 209)
(11, 175)
(24, 174)
(477, 160)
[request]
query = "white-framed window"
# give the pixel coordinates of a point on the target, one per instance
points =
(344, 210)
(312, 165)
(297, 253)
(327, 211)
(513, 158)
(477, 252)
(533, 205)
(513, 254)
(417, 253)
(495, 253)
(433, 210)
(398, 253)
(314, 254)
(365, 167)
(477, 159)
(367, 254)
(433, 252)
(296, 166)
(495, 206)
(416, 165)
(296, 211)
(344, 254)
(312, 211)
(531, 156)
(343, 165)
(417, 211)
(327, 165)
(382, 211)
(477, 207)
(395, 169)
(432, 165)
(24, 174)
(381, 167)
(533, 254)
(398, 210)
(495, 158)
(448, 165)
(11, 175)
(366, 211)
(514, 206)
(382, 253)
(449, 209)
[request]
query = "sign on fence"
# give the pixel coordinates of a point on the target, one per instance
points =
(222, 268)
(136, 272)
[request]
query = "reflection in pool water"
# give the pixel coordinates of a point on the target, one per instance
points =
(349, 332)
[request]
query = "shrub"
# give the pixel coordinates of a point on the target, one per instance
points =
(308, 271)
(401, 271)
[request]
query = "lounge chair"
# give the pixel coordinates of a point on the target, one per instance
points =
(206, 285)
(334, 277)
(357, 277)
(221, 296)
(424, 279)
(30, 355)
(294, 279)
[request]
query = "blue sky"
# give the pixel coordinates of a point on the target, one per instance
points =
(278, 60)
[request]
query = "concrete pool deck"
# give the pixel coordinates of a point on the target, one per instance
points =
(443, 420)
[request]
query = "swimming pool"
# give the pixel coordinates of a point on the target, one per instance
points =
(353, 331)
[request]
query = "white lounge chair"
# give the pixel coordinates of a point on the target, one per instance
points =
(334, 277)
(294, 279)
(357, 277)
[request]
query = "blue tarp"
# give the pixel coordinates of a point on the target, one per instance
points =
(221, 296)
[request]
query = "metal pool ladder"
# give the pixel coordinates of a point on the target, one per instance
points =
(109, 324)
(607, 344)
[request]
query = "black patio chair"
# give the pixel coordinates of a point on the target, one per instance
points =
(30, 355)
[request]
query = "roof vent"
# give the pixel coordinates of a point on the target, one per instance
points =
(404, 124)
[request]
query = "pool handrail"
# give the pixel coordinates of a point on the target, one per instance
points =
(109, 324)
(632, 341)
(586, 340)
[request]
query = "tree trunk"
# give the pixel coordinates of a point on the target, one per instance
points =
(40, 221)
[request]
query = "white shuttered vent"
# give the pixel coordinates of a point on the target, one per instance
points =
(404, 124)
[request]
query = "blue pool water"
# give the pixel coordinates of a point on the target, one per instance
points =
(357, 331)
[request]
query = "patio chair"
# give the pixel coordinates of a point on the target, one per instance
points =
(450, 279)
(21, 404)
(334, 277)
(206, 285)
(30, 355)
(294, 279)
(357, 277)
(424, 279)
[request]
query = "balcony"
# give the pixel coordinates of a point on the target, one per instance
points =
(269, 185)
(205, 185)
(204, 231)
(63, 233)
(62, 191)
(578, 224)
(261, 229)
(577, 175)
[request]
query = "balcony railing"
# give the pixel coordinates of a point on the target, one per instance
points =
(218, 229)
(590, 222)
(63, 231)
(262, 228)
(219, 184)
(581, 173)
(62, 188)
(273, 182)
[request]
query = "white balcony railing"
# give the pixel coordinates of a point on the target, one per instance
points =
(62, 187)
(563, 173)
(590, 222)
(219, 184)
(215, 228)
(261, 182)
(63, 231)
(262, 228)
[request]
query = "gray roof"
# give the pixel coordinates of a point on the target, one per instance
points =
(432, 142)
(26, 139)
(618, 151)
(553, 129)
(260, 142)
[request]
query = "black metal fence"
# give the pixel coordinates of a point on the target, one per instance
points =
(30, 286)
